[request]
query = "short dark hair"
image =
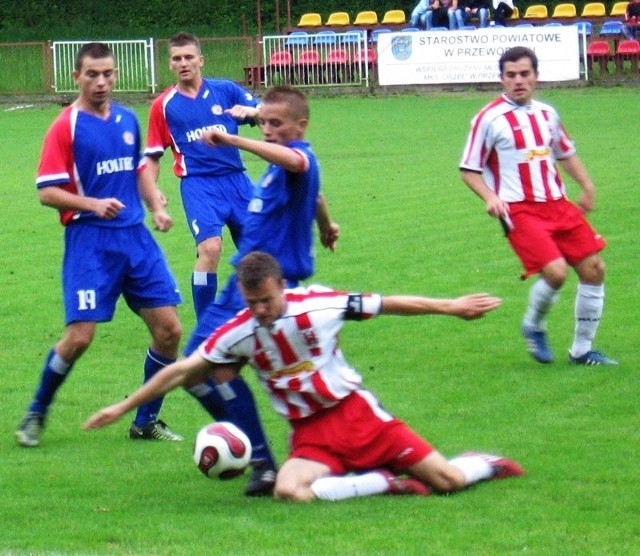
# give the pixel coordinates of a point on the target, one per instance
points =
(255, 267)
(294, 98)
(516, 53)
(95, 50)
(183, 39)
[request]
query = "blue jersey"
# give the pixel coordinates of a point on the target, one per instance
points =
(280, 222)
(177, 121)
(94, 157)
(281, 215)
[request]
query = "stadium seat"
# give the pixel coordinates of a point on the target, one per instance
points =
(598, 52)
(394, 17)
(516, 13)
(376, 32)
(354, 37)
(280, 63)
(438, 29)
(628, 51)
(553, 24)
(338, 19)
(619, 8)
(536, 11)
(308, 63)
(371, 56)
(594, 9)
(366, 18)
(297, 38)
(310, 20)
(565, 10)
(325, 37)
(584, 27)
(336, 66)
(611, 28)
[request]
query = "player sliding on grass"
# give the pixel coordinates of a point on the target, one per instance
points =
(290, 337)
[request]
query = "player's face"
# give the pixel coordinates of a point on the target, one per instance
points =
(96, 79)
(277, 124)
(186, 62)
(519, 80)
(267, 301)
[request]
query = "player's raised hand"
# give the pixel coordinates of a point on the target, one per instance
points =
(240, 112)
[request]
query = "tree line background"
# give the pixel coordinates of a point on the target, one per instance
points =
(38, 20)
(41, 20)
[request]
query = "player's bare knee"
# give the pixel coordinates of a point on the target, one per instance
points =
(591, 271)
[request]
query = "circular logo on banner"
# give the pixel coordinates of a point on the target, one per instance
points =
(401, 47)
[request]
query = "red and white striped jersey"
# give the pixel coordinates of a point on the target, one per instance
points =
(516, 149)
(297, 359)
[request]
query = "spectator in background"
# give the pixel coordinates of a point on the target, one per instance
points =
(442, 13)
(472, 9)
(503, 10)
(419, 14)
(631, 27)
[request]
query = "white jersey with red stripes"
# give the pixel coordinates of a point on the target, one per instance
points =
(516, 149)
(297, 359)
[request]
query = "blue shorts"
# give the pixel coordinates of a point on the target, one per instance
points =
(101, 263)
(211, 202)
(227, 304)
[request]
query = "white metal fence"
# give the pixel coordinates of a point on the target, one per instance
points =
(317, 59)
(134, 60)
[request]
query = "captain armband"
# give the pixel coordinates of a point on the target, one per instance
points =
(354, 307)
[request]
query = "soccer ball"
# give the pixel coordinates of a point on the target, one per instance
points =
(222, 450)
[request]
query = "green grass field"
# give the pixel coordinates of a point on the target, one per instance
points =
(409, 225)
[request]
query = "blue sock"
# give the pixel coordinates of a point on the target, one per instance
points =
(209, 398)
(54, 373)
(241, 410)
(204, 286)
(149, 411)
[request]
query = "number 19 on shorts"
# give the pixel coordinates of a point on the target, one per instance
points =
(86, 299)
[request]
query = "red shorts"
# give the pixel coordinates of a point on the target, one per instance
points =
(544, 232)
(357, 435)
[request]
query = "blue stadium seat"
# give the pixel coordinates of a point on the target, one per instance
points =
(611, 28)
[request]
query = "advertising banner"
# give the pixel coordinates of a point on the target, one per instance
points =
(429, 57)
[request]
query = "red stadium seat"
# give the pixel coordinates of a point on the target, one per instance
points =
(309, 67)
(628, 51)
(336, 66)
(598, 52)
(279, 67)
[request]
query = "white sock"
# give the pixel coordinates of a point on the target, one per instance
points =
(340, 488)
(474, 468)
(541, 298)
(588, 310)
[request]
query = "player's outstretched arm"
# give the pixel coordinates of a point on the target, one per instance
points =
(466, 307)
(187, 370)
(286, 157)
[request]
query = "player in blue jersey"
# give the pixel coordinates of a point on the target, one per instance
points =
(285, 203)
(91, 171)
(214, 186)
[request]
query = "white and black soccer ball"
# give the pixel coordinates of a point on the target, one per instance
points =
(222, 450)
